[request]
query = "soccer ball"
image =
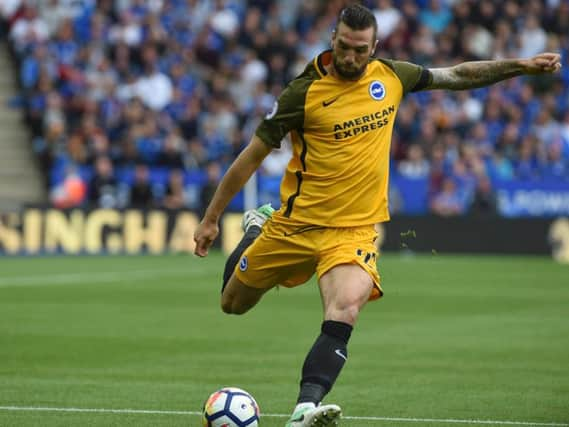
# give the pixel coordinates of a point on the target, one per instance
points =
(230, 407)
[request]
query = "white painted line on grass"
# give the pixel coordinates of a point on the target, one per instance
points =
(97, 410)
(453, 421)
(159, 412)
(88, 277)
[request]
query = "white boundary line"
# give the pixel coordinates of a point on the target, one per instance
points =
(159, 412)
(88, 277)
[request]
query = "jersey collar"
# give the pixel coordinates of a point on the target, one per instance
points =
(322, 60)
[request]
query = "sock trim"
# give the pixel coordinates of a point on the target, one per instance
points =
(339, 330)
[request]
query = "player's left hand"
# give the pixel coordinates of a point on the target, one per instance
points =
(543, 63)
(205, 234)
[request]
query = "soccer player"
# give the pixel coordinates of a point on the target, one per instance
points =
(340, 113)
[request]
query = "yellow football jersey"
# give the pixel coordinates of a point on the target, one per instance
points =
(341, 136)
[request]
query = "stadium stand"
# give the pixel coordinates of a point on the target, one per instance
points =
(174, 87)
(20, 179)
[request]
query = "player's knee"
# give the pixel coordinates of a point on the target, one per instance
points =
(227, 305)
(231, 306)
(344, 313)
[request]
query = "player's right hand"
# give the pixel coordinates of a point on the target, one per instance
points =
(204, 236)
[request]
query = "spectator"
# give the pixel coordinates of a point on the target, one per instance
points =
(103, 187)
(436, 16)
(439, 169)
(33, 65)
(416, 166)
(448, 202)
(527, 167)
(208, 189)
(501, 168)
(275, 163)
(171, 155)
(484, 200)
(128, 30)
(389, 17)
(28, 30)
(176, 196)
(479, 42)
(71, 192)
(141, 193)
(53, 13)
(555, 167)
(533, 38)
(464, 179)
(154, 89)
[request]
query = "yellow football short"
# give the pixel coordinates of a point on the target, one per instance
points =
(288, 254)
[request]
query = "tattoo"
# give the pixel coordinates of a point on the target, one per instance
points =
(475, 74)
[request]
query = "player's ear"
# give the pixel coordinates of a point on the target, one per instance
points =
(374, 47)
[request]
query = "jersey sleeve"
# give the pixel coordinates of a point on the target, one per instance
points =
(287, 114)
(413, 77)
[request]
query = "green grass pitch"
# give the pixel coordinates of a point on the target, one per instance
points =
(456, 338)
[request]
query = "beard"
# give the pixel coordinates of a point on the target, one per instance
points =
(349, 73)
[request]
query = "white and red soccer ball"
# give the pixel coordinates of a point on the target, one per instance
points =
(230, 407)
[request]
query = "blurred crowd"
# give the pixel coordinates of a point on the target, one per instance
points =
(146, 102)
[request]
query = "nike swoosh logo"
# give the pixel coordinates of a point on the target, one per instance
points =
(329, 102)
(339, 353)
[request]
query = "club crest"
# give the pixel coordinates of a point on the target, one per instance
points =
(243, 264)
(377, 90)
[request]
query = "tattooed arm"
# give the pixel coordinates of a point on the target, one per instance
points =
(471, 75)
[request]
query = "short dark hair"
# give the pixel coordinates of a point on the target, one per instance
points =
(358, 17)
